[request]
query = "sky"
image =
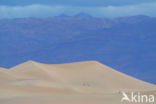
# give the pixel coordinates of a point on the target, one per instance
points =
(97, 8)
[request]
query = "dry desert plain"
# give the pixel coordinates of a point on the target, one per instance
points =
(87, 82)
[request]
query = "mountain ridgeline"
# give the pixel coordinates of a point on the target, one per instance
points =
(127, 44)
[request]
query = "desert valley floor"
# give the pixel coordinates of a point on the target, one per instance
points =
(87, 82)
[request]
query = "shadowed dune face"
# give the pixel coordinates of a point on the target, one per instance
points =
(90, 77)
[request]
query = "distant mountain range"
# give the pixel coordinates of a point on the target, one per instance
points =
(127, 44)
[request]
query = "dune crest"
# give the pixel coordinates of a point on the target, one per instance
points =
(78, 75)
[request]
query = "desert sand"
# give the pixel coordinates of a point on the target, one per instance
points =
(87, 82)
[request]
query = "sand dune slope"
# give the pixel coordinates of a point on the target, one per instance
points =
(80, 75)
(96, 75)
(32, 79)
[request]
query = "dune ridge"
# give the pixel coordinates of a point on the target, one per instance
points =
(90, 77)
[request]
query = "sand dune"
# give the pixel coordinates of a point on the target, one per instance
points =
(81, 80)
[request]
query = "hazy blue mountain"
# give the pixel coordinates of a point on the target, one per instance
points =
(83, 15)
(127, 44)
